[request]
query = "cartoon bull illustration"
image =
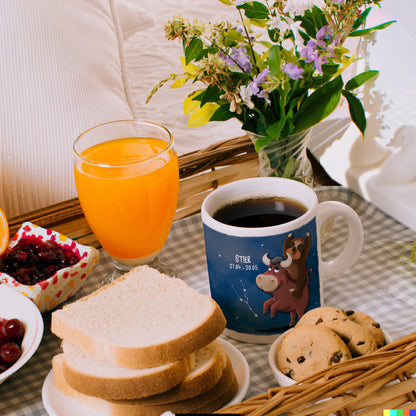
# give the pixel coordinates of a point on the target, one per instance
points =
(277, 282)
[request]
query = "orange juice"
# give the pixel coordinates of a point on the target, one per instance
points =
(128, 194)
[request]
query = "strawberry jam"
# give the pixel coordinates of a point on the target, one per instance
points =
(33, 260)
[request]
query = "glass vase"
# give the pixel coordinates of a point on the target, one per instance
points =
(286, 157)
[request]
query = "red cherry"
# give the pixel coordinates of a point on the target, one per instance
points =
(10, 352)
(13, 330)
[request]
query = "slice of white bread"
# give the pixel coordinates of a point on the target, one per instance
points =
(96, 377)
(140, 320)
(99, 378)
(210, 362)
(213, 399)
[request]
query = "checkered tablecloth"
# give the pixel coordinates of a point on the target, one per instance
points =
(382, 283)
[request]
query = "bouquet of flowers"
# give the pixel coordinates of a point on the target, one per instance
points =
(278, 69)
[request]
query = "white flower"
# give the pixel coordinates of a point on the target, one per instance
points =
(278, 23)
(297, 7)
(245, 94)
(284, 25)
(294, 27)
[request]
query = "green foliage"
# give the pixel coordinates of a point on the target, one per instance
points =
(276, 71)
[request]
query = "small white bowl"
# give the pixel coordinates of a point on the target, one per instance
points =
(15, 305)
(282, 379)
(278, 375)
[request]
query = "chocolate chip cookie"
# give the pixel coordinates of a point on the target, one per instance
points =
(307, 349)
(358, 338)
(321, 315)
(368, 322)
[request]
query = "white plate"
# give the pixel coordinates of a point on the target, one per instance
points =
(15, 305)
(57, 403)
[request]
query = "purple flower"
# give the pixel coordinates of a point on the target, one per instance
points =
(325, 32)
(309, 53)
(261, 78)
(240, 57)
(338, 1)
(292, 70)
(319, 61)
(254, 86)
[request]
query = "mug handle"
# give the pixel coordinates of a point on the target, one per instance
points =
(353, 246)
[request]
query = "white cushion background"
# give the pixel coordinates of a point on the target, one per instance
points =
(61, 72)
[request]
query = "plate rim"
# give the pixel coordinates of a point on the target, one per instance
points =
(37, 317)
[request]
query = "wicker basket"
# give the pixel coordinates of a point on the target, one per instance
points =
(362, 386)
(204, 170)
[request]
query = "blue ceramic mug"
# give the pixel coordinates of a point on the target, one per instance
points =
(265, 277)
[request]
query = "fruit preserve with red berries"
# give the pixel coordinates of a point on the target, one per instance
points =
(33, 260)
(11, 336)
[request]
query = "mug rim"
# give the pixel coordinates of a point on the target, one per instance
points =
(209, 207)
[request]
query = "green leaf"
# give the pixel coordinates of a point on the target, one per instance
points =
(255, 10)
(361, 19)
(227, 2)
(364, 32)
(309, 26)
(193, 50)
(210, 94)
(360, 79)
(319, 105)
(356, 111)
(273, 59)
(222, 113)
(274, 130)
(258, 22)
(234, 35)
(304, 35)
(261, 142)
(319, 17)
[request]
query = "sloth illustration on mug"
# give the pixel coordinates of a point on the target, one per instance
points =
(298, 249)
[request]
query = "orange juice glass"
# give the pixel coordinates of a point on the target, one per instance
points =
(127, 178)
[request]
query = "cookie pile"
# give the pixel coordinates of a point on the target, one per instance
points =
(325, 336)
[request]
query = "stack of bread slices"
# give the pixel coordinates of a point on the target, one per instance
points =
(142, 345)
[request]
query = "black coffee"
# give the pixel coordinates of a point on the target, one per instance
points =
(260, 212)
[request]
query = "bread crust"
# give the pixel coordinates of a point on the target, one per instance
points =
(162, 379)
(208, 401)
(194, 385)
(146, 356)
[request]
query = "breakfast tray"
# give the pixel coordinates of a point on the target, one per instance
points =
(382, 283)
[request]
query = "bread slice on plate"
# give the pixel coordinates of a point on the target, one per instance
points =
(210, 362)
(100, 378)
(142, 319)
(213, 399)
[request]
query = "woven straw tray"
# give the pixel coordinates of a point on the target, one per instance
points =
(362, 386)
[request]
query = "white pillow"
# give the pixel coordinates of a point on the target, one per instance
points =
(62, 71)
